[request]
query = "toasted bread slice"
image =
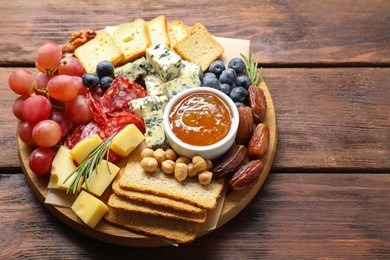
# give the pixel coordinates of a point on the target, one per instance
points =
(132, 39)
(158, 30)
(102, 47)
(177, 230)
(118, 202)
(153, 199)
(177, 31)
(159, 183)
(199, 47)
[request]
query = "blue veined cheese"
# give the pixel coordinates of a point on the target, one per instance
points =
(142, 106)
(153, 84)
(181, 83)
(134, 69)
(164, 61)
(155, 134)
(188, 67)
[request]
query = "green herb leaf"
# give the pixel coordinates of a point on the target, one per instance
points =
(252, 72)
(88, 165)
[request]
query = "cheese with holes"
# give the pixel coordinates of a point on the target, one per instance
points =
(164, 61)
(84, 147)
(62, 167)
(89, 209)
(127, 140)
(143, 106)
(101, 177)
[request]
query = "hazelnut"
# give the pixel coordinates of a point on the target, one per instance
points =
(149, 164)
(171, 154)
(199, 163)
(160, 155)
(168, 166)
(205, 177)
(147, 152)
(180, 171)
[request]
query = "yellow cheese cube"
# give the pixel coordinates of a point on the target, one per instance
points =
(61, 168)
(101, 177)
(127, 140)
(89, 209)
(84, 147)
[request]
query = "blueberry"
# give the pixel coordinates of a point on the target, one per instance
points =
(209, 74)
(104, 68)
(210, 81)
(105, 83)
(217, 67)
(239, 104)
(225, 88)
(238, 65)
(243, 81)
(228, 76)
(238, 94)
(90, 80)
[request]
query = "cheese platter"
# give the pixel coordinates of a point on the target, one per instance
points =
(116, 223)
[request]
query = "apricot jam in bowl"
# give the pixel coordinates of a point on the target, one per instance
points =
(201, 121)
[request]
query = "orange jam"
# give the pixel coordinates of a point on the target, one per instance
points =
(200, 119)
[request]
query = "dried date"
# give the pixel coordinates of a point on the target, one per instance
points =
(258, 103)
(245, 125)
(230, 162)
(259, 142)
(246, 174)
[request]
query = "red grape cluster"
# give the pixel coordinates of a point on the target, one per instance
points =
(49, 103)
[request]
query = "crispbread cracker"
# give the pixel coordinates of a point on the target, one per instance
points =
(135, 206)
(158, 30)
(178, 230)
(159, 183)
(177, 31)
(199, 46)
(153, 199)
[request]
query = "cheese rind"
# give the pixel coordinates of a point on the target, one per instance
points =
(127, 140)
(84, 147)
(164, 61)
(62, 167)
(89, 209)
(101, 177)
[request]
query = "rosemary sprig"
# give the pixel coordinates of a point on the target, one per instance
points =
(252, 72)
(88, 165)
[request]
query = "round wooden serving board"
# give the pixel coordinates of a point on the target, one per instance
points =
(234, 202)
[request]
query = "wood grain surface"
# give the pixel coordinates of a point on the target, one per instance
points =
(282, 33)
(327, 66)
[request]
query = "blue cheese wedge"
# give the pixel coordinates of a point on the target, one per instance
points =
(188, 67)
(155, 134)
(153, 84)
(134, 69)
(181, 83)
(145, 105)
(164, 61)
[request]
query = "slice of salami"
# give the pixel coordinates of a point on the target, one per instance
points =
(95, 104)
(72, 139)
(120, 121)
(122, 90)
(90, 129)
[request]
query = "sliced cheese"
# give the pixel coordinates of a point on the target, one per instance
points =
(84, 147)
(61, 168)
(89, 209)
(101, 177)
(127, 140)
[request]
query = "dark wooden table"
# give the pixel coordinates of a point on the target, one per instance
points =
(327, 65)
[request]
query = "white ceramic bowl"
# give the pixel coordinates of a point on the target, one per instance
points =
(212, 151)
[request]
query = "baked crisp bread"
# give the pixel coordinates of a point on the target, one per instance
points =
(159, 183)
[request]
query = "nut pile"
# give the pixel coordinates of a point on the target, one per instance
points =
(180, 167)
